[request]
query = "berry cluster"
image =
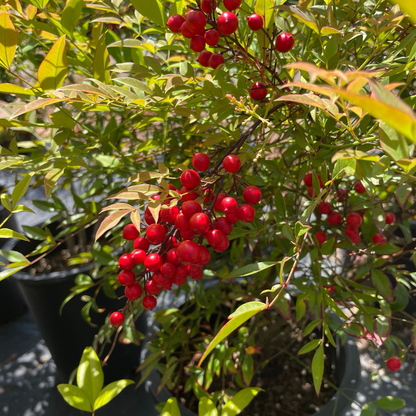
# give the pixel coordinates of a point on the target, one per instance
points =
(167, 254)
(353, 220)
(203, 26)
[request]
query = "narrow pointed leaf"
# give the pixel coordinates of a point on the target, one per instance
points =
(318, 368)
(206, 407)
(240, 401)
(101, 61)
(7, 233)
(111, 221)
(251, 269)
(109, 392)
(8, 40)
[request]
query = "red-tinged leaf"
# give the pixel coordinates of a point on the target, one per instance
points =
(318, 368)
(34, 105)
(130, 196)
(382, 284)
(306, 99)
(241, 315)
(355, 329)
(402, 194)
(117, 207)
(283, 305)
(135, 218)
(382, 328)
(110, 222)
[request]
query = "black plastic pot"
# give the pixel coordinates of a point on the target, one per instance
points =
(68, 334)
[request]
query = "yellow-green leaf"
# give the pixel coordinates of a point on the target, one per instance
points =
(318, 368)
(90, 377)
(75, 397)
(152, 9)
(54, 68)
(407, 6)
(8, 40)
(265, 8)
(109, 392)
(50, 180)
(101, 61)
(240, 401)
(15, 89)
(303, 15)
(71, 15)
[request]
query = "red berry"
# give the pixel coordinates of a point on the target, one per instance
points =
(187, 235)
(197, 43)
(195, 21)
(199, 222)
(138, 255)
(215, 60)
(155, 233)
(153, 262)
(394, 364)
(231, 163)
(390, 218)
(130, 232)
(258, 91)
(222, 246)
(151, 288)
(284, 42)
(229, 205)
(246, 213)
(189, 208)
(189, 252)
(190, 178)
(220, 197)
(181, 272)
(359, 188)
(200, 162)
(203, 58)
(133, 291)
(354, 220)
(255, 22)
(205, 256)
(307, 179)
(195, 272)
(221, 223)
(334, 218)
(149, 302)
(126, 277)
(188, 194)
(208, 6)
(186, 33)
(379, 239)
(148, 217)
(159, 280)
(325, 208)
(311, 192)
(252, 195)
(320, 237)
(168, 270)
(351, 232)
(141, 243)
(232, 4)
(173, 257)
(215, 237)
(212, 37)
(181, 222)
(355, 239)
(116, 319)
(227, 23)
(169, 214)
(125, 262)
(232, 218)
(175, 22)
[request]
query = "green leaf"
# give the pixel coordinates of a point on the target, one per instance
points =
(310, 346)
(206, 407)
(265, 8)
(311, 326)
(251, 269)
(101, 61)
(408, 7)
(393, 143)
(75, 397)
(16, 89)
(90, 376)
(109, 392)
(241, 315)
(240, 401)
(303, 15)
(13, 256)
(20, 189)
(152, 9)
(54, 68)
(131, 82)
(382, 284)
(111, 221)
(7, 233)
(284, 305)
(71, 15)
(8, 40)
(247, 368)
(369, 409)
(171, 408)
(51, 178)
(280, 203)
(390, 403)
(318, 368)
(9, 271)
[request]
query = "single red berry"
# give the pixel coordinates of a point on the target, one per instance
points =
(227, 23)
(188, 194)
(354, 219)
(116, 319)
(255, 22)
(125, 262)
(189, 208)
(181, 222)
(351, 232)
(356, 239)
(186, 33)
(307, 179)
(208, 6)
(190, 178)
(258, 91)
(394, 364)
(148, 217)
(229, 205)
(172, 256)
(203, 58)
(205, 256)
(195, 21)
(200, 162)
(311, 192)
(155, 233)
(232, 4)
(199, 222)
(195, 272)
(138, 255)
(390, 218)
(252, 195)
(130, 232)
(159, 280)
(232, 218)
(187, 235)
(126, 277)
(231, 163)
(329, 288)
(246, 213)
(220, 248)
(153, 262)
(334, 218)
(221, 223)
(197, 43)
(284, 42)
(169, 214)
(220, 197)
(359, 188)
(151, 288)
(325, 208)
(141, 243)
(215, 237)
(149, 302)
(379, 239)
(212, 37)
(215, 60)
(133, 291)
(179, 280)
(189, 252)
(175, 22)
(320, 237)
(342, 194)
(168, 270)
(181, 272)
